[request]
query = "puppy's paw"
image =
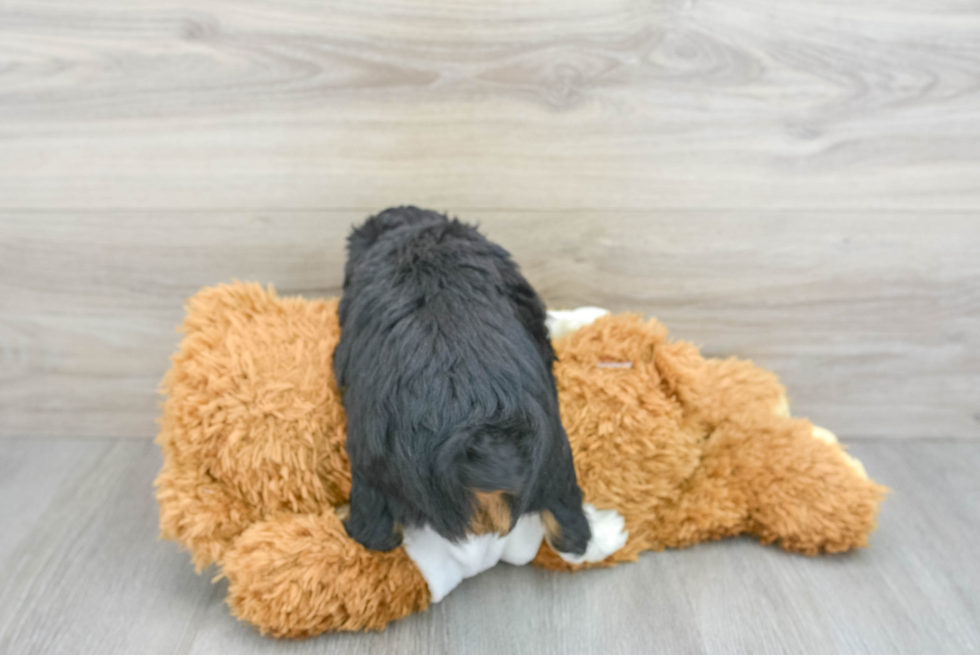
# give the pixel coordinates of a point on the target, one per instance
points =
(609, 534)
(373, 537)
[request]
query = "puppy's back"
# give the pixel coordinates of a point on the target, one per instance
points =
(446, 366)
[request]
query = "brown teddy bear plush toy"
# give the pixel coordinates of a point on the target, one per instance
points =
(685, 449)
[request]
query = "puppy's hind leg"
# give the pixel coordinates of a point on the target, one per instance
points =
(580, 532)
(567, 530)
(607, 530)
(370, 522)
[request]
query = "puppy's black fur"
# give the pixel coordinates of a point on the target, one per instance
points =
(445, 364)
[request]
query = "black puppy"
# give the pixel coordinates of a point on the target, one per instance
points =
(445, 365)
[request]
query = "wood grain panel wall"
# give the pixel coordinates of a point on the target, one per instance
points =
(871, 320)
(794, 182)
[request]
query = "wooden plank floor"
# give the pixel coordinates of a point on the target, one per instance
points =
(83, 574)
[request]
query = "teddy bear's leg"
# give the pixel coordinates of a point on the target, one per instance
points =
(199, 513)
(796, 488)
(297, 575)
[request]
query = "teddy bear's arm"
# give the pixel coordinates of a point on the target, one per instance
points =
(297, 575)
(199, 514)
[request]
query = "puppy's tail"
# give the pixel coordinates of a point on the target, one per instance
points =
(482, 473)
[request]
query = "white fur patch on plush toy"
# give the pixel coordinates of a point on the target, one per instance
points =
(826, 436)
(830, 438)
(565, 321)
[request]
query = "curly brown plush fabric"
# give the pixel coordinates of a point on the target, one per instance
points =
(687, 449)
(252, 423)
(296, 575)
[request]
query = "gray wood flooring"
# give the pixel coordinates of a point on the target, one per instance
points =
(83, 574)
